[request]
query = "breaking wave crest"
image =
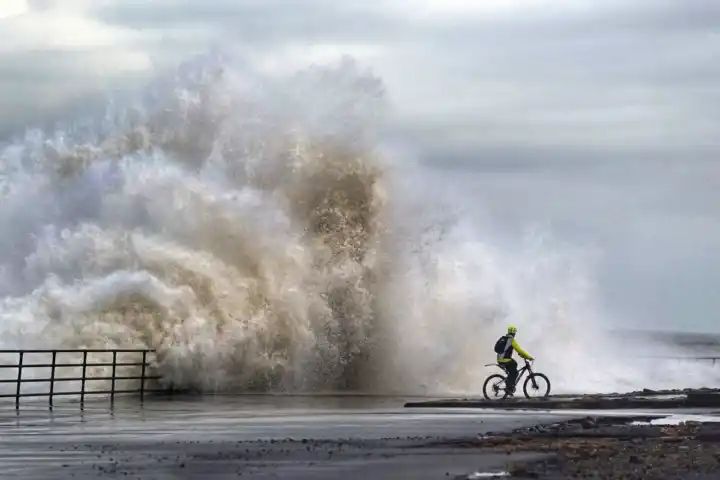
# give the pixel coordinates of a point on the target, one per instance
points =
(231, 225)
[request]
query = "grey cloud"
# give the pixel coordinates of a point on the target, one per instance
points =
(40, 4)
(39, 88)
(563, 70)
(260, 22)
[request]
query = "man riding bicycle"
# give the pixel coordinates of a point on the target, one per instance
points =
(505, 347)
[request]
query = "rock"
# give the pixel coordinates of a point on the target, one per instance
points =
(588, 423)
(523, 471)
(703, 399)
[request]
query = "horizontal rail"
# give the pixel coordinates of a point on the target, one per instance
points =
(87, 392)
(89, 350)
(699, 358)
(49, 365)
(78, 379)
(666, 357)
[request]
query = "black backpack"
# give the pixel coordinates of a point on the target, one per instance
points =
(500, 344)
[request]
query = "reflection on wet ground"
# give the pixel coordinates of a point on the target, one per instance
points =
(239, 417)
(260, 436)
(299, 436)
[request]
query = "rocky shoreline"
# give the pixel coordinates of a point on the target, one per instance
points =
(646, 399)
(610, 448)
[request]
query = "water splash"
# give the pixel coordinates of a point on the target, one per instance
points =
(247, 228)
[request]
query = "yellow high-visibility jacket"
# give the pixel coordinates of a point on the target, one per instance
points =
(512, 345)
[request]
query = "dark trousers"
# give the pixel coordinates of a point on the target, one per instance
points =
(511, 368)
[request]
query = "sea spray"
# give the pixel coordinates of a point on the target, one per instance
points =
(249, 230)
(219, 226)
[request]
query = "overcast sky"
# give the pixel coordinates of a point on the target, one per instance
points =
(597, 119)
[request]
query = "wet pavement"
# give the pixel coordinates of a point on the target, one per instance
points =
(262, 436)
(247, 436)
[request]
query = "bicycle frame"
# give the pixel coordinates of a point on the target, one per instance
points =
(522, 371)
(526, 368)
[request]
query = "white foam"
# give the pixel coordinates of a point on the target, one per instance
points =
(488, 475)
(677, 419)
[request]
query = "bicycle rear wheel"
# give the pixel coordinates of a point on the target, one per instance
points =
(494, 387)
(536, 385)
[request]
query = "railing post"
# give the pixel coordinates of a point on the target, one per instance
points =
(82, 384)
(52, 378)
(19, 381)
(112, 381)
(142, 376)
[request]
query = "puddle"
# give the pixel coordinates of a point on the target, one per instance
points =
(678, 419)
(673, 396)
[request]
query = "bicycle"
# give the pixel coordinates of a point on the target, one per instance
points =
(536, 385)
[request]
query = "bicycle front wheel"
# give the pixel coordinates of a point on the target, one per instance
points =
(494, 387)
(536, 385)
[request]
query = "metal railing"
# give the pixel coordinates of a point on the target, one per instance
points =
(709, 358)
(713, 359)
(56, 367)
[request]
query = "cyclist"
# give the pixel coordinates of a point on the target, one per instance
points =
(505, 347)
